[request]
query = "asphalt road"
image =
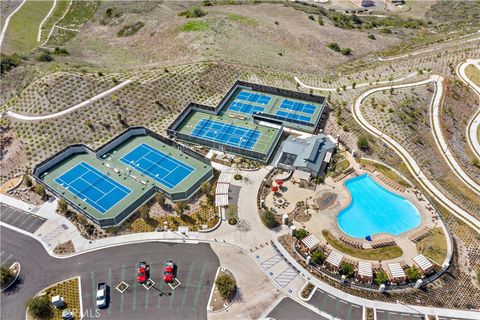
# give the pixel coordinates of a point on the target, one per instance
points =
(335, 306)
(197, 265)
(288, 309)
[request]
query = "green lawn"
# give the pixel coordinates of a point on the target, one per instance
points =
(79, 14)
(385, 253)
(387, 172)
(21, 34)
(242, 19)
(434, 246)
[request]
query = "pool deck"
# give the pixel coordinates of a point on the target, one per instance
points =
(327, 218)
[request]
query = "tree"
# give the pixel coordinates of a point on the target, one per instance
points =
(206, 187)
(380, 277)
(346, 51)
(226, 285)
(62, 206)
(268, 219)
(28, 181)
(160, 198)
(181, 206)
(301, 233)
(40, 190)
(347, 269)
(6, 276)
(40, 307)
(318, 256)
(363, 143)
(144, 212)
(413, 274)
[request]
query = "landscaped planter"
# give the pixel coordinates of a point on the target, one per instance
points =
(307, 292)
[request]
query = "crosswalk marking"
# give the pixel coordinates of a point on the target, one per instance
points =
(286, 276)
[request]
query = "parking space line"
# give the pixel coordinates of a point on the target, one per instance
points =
(134, 301)
(170, 302)
(19, 215)
(110, 284)
(122, 297)
(8, 258)
(94, 289)
(159, 298)
(8, 215)
(189, 276)
(33, 224)
(147, 297)
(1, 253)
(199, 287)
(25, 220)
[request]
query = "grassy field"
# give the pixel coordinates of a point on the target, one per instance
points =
(60, 10)
(473, 73)
(194, 26)
(385, 253)
(434, 246)
(21, 34)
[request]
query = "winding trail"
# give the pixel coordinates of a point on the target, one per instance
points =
(474, 125)
(412, 165)
(23, 117)
(39, 34)
(360, 85)
(7, 21)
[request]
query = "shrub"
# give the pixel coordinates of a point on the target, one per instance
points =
(334, 46)
(413, 274)
(226, 286)
(62, 206)
(238, 177)
(61, 51)
(193, 12)
(207, 3)
(144, 212)
(386, 31)
(181, 206)
(112, 230)
(301, 233)
(206, 187)
(347, 269)
(363, 143)
(45, 57)
(311, 17)
(268, 219)
(40, 190)
(28, 181)
(346, 51)
(130, 29)
(39, 307)
(380, 277)
(232, 221)
(371, 37)
(318, 257)
(320, 21)
(8, 62)
(6, 276)
(160, 199)
(231, 212)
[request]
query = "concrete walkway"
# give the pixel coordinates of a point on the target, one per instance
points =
(412, 165)
(474, 125)
(7, 21)
(23, 117)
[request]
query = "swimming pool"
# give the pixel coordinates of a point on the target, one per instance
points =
(374, 209)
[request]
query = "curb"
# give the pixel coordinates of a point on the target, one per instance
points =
(213, 289)
(311, 293)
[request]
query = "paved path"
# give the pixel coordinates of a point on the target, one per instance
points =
(7, 21)
(474, 125)
(23, 117)
(412, 165)
(55, 25)
(436, 48)
(435, 119)
(360, 85)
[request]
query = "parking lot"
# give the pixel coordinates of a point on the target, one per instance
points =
(288, 309)
(335, 306)
(197, 266)
(391, 315)
(20, 219)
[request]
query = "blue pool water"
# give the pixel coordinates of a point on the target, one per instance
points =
(375, 210)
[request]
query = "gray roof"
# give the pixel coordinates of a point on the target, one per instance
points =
(306, 153)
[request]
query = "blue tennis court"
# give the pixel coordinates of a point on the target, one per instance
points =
(244, 107)
(291, 116)
(253, 97)
(157, 165)
(226, 133)
(93, 187)
(298, 106)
